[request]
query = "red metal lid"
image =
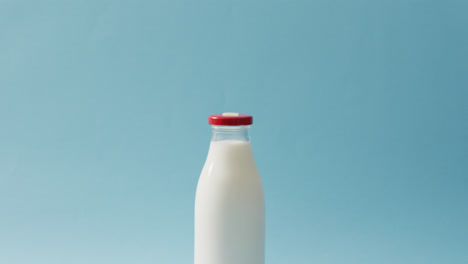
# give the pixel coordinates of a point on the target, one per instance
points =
(230, 119)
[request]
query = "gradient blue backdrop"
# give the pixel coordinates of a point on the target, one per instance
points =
(360, 133)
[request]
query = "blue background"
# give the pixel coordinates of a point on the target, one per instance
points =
(360, 131)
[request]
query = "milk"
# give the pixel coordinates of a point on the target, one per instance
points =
(229, 206)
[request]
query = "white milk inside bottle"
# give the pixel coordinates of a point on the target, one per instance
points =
(229, 204)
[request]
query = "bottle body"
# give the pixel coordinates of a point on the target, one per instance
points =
(229, 205)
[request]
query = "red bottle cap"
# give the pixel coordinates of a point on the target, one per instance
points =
(230, 119)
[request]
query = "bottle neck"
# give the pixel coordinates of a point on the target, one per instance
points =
(241, 133)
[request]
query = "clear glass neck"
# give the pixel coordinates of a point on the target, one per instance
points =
(230, 133)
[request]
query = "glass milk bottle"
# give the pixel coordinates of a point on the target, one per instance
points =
(229, 204)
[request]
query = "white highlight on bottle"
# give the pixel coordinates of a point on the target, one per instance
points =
(230, 114)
